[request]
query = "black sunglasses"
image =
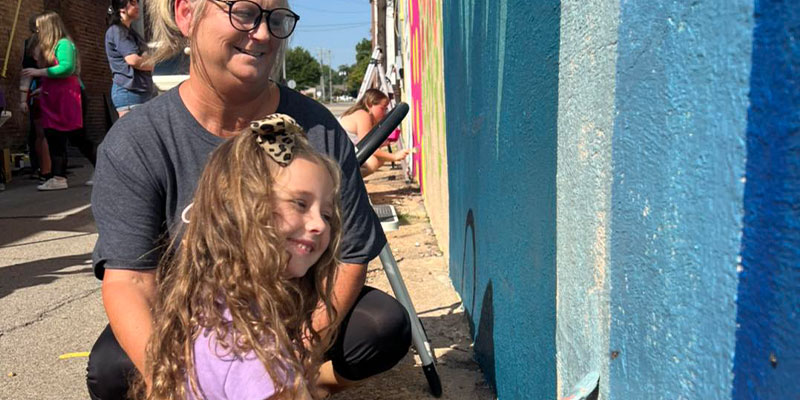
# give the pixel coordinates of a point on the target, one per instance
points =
(246, 16)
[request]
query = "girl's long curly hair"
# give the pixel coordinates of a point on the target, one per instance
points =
(232, 257)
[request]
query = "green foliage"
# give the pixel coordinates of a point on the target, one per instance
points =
(303, 68)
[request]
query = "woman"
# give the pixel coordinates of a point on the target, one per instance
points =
(150, 161)
(37, 144)
(132, 80)
(359, 119)
(59, 96)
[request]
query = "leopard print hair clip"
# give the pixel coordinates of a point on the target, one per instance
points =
(276, 134)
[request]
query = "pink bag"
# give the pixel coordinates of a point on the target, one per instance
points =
(394, 135)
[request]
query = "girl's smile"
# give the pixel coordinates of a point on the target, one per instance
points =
(304, 193)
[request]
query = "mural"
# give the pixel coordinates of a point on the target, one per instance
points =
(501, 92)
(767, 356)
(424, 81)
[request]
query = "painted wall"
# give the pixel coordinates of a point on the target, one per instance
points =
(501, 69)
(678, 156)
(767, 352)
(425, 94)
(619, 172)
(588, 51)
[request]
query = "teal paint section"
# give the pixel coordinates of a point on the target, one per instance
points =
(585, 125)
(501, 145)
(678, 156)
(767, 355)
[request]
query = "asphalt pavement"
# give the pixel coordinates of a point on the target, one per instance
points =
(50, 307)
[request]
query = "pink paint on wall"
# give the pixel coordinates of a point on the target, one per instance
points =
(417, 41)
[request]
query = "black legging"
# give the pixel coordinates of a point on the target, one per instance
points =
(375, 335)
(57, 143)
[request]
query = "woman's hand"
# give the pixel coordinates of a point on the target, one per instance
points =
(23, 106)
(34, 72)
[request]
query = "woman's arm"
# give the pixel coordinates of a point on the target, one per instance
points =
(350, 279)
(24, 87)
(127, 205)
(128, 297)
(138, 62)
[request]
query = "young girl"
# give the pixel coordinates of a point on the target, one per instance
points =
(257, 257)
(59, 97)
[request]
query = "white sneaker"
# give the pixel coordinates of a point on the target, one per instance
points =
(53, 183)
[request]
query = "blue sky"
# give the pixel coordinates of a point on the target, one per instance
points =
(336, 25)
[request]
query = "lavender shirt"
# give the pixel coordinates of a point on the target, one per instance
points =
(222, 375)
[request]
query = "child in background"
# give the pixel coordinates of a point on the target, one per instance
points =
(257, 257)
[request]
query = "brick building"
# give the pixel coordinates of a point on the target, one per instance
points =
(86, 22)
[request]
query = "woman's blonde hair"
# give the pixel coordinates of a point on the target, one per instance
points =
(370, 98)
(232, 257)
(51, 29)
(170, 41)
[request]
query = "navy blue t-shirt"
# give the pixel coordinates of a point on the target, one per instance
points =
(120, 43)
(149, 163)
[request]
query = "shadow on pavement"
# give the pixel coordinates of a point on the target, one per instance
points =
(41, 272)
(19, 219)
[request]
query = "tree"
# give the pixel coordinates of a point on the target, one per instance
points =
(302, 67)
(359, 69)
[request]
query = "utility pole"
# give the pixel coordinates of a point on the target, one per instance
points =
(321, 76)
(330, 81)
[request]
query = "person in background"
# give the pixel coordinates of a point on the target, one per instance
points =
(39, 153)
(149, 164)
(132, 78)
(59, 97)
(359, 119)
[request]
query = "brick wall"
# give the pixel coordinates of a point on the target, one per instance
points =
(86, 22)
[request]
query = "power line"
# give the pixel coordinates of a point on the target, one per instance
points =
(328, 11)
(332, 25)
(328, 29)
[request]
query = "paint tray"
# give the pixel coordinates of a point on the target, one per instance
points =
(388, 217)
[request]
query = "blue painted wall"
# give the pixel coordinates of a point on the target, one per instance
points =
(588, 54)
(767, 351)
(678, 157)
(619, 172)
(501, 84)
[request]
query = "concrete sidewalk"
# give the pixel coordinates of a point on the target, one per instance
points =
(51, 310)
(49, 299)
